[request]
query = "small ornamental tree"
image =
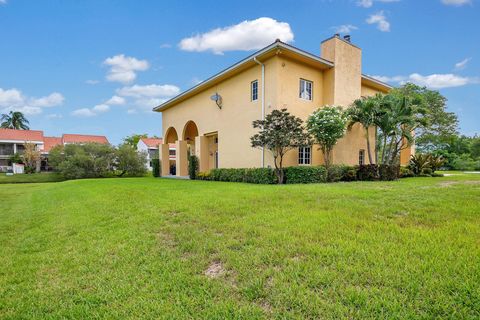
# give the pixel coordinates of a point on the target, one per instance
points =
(279, 133)
(327, 125)
(30, 157)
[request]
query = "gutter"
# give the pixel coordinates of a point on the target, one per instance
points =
(263, 102)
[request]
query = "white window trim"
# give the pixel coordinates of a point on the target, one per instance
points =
(305, 81)
(251, 90)
(303, 156)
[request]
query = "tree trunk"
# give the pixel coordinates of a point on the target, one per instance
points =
(368, 147)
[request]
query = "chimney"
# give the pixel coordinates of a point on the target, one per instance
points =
(342, 83)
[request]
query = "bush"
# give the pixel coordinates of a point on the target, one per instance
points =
(204, 176)
(349, 174)
(193, 166)
(305, 175)
(427, 171)
(254, 175)
(367, 172)
(405, 172)
(129, 162)
(156, 168)
(341, 172)
(388, 172)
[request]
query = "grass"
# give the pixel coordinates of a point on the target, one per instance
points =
(158, 248)
(30, 178)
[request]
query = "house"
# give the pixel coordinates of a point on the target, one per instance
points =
(214, 118)
(150, 147)
(13, 141)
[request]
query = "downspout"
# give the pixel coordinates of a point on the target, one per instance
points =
(263, 102)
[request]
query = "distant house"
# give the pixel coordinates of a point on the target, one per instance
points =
(150, 147)
(13, 141)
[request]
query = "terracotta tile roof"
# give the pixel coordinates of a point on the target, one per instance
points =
(81, 138)
(152, 142)
(50, 142)
(21, 135)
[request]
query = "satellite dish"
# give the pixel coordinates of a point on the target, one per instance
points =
(218, 100)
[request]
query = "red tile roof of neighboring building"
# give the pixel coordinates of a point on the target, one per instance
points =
(50, 142)
(152, 142)
(81, 138)
(21, 135)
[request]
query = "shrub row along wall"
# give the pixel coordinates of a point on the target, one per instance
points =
(317, 174)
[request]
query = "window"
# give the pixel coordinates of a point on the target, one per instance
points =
(171, 152)
(254, 90)
(306, 89)
(361, 157)
(304, 155)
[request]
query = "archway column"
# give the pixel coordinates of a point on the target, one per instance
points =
(181, 158)
(201, 151)
(165, 159)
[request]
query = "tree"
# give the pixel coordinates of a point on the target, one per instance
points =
(364, 111)
(327, 126)
(398, 117)
(279, 133)
(475, 147)
(14, 120)
(30, 157)
(439, 125)
(129, 161)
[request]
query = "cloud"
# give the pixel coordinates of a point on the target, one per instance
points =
(51, 100)
(123, 69)
(165, 46)
(92, 82)
(3, 1)
(115, 101)
(245, 36)
(14, 100)
(151, 90)
(344, 28)
(99, 108)
(462, 64)
(54, 116)
(83, 112)
(380, 20)
(433, 81)
(131, 111)
(456, 3)
(369, 3)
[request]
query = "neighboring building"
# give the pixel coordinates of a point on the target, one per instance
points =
(150, 147)
(214, 118)
(12, 141)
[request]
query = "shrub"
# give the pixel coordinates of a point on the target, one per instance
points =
(349, 174)
(427, 171)
(156, 168)
(305, 175)
(419, 162)
(341, 172)
(204, 176)
(193, 166)
(260, 176)
(129, 162)
(405, 172)
(388, 172)
(367, 172)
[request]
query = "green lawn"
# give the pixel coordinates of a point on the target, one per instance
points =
(30, 178)
(158, 248)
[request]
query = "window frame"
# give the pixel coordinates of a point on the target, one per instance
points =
(252, 91)
(302, 156)
(304, 88)
(361, 157)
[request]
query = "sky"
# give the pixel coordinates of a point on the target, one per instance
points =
(100, 66)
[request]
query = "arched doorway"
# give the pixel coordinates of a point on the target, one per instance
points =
(170, 165)
(170, 135)
(190, 131)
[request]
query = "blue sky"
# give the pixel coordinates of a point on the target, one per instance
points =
(99, 66)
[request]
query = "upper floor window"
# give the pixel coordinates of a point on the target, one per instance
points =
(306, 89)
(361, 157)
(305, 155)
(254, 90)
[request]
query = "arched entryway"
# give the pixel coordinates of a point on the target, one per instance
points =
(169, 163)
(190, 131)
(171, 135)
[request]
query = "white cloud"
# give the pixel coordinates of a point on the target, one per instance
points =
(123, 69)
(92, 82)
(101, 108)
(380, 20)
(131, 111)
(151, 90)
(115, 101)
(51, 100)
(462, 64)
(14, 100)
(83, 112)
(433, 81)
(369, 3)
(54, 116)
(457, 3)
(247, 35)
(344, 28)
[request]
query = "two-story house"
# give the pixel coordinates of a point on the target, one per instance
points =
(150, 146)
(214, 118)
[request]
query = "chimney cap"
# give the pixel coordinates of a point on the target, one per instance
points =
(347, 37)
(337, 35)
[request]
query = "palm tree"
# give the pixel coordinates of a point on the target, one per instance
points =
(14, 120)
(364, 111)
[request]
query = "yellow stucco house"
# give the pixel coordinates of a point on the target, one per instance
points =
(214, 119)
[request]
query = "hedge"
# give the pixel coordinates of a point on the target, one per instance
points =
(305, 175)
